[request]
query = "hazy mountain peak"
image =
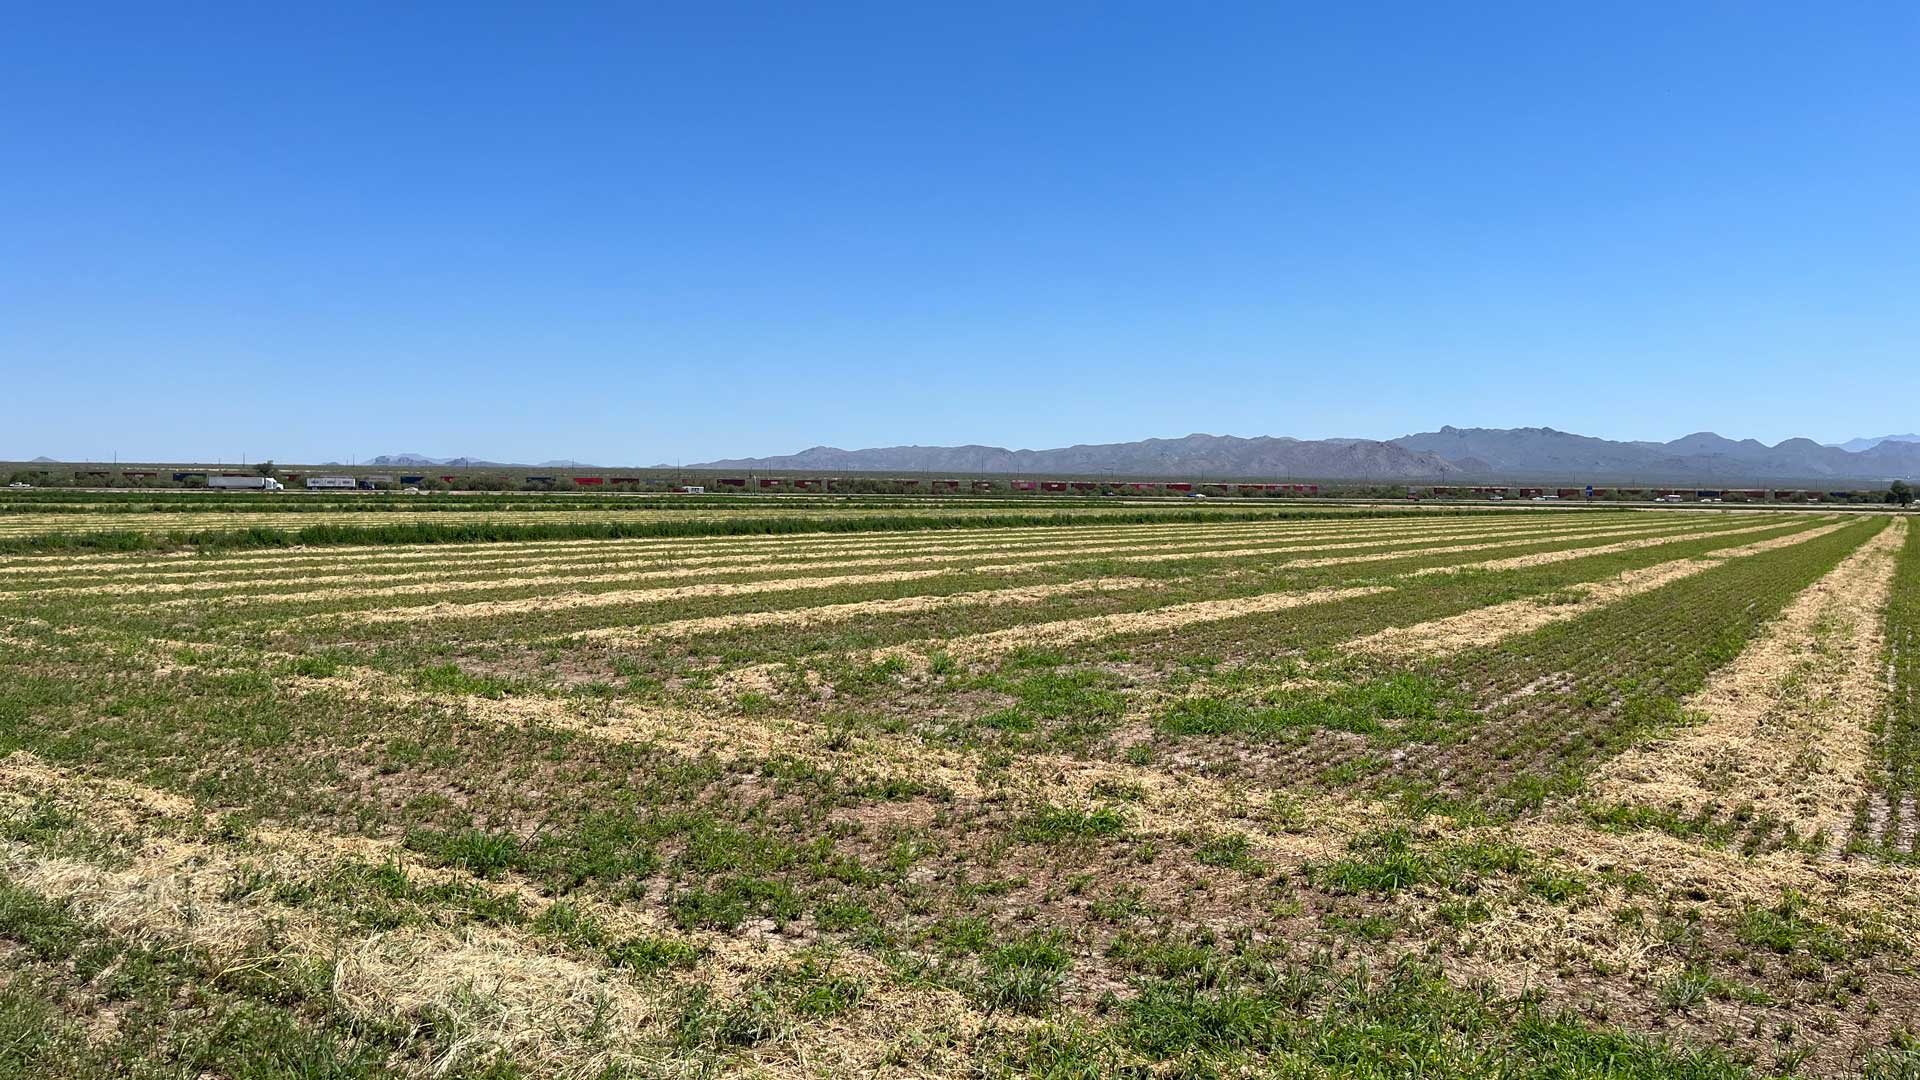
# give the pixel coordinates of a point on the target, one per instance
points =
(1865, 443)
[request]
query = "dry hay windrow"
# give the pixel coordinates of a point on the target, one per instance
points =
(827, 613)
(1661, 535)
(298, 559)
(1484, 626)
(162, 567)
(351, 554)
(175, 887)
(1522, 562)
(1171, 805)
(479, 990)
(1785, 727)
(618, 597)
(1850, 893)
(1524, 941)
(564, 569)
(455, 577)
(758, 678)
(1095, 627)
(482, 609)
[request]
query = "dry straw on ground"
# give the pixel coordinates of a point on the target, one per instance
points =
(1483, 626)
(1785, 726)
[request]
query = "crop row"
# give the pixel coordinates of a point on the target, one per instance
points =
(625, 605)
(217, 536)
(454, 582)
(1888, 821)
(375, 568)
(1526, 715)
(1196, 578)
(1554, 702)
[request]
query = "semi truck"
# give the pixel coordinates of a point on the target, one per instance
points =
(245, 483)
(318, 483)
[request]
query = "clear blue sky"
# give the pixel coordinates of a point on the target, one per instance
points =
(646, 232)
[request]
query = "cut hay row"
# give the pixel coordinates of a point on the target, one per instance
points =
(1097, 627)
(399, 552)
(1171, 806)
(1658, 536)
(1156, 620)
(482, 609)
(1521, 562)
(1556, 702)
(404, 558)
(460, 996)
(670, 524)
(566, 567)
(36, 525)
(795, 618)
(1061, 632)
(1783, 729)
(400, 555)
(1487, 625)
(1887, 822)
(22, 525)
(1654, 535)
(689, 570)
(621, 597)
(1174, 805)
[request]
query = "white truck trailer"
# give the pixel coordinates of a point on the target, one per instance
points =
(330, 483)
(245, 483)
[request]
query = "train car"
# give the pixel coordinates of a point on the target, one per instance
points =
(244, 483)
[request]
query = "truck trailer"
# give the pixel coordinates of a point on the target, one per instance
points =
(316, 483)
(244, 483)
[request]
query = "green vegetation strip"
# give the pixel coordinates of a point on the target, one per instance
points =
(1889, 824)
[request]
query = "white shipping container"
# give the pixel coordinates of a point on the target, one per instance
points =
(315, 483)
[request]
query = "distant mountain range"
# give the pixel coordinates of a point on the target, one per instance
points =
(1857, 445)
(1450, 454)
(474, 463)
(1195, 455)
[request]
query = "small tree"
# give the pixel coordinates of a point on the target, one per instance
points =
(265, 468)
(1900, 492)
